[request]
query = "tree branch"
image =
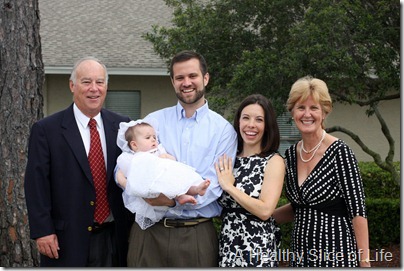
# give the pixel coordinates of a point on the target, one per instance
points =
(370, 101)
(388, 164)
(387, 134)
(356, 138)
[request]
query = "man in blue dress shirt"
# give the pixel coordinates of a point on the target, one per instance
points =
(196, 136)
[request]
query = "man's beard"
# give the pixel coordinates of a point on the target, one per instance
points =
(198, 95)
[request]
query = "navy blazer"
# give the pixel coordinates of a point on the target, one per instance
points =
(59, 189)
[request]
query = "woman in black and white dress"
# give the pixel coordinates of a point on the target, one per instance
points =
(324, 187)
(249, 236)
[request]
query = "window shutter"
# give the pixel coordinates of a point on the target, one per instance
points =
(289, 133)
(126, 103)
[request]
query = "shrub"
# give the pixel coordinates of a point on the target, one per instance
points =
(377, 182)
(383, 221)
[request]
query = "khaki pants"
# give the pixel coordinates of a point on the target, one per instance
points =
(158, 246)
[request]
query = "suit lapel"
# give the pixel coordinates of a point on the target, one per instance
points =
(111, 131)
(73, 137)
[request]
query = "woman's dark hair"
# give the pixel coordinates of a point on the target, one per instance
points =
(187, 55)
(271, 138)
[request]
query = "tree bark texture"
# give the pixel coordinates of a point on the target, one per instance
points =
(21, 104)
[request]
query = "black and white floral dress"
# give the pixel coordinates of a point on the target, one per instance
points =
(245, 240)
(324, 206)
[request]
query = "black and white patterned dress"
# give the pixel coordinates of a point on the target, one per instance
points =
(324, 205)
(245, 240)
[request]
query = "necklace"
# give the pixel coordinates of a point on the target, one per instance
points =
(315, 147)
(314, 150)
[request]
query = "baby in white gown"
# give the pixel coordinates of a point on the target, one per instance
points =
(150, 170)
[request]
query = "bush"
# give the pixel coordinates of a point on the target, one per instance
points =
(377, 182)
(383, 221)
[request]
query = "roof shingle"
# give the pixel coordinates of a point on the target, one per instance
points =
(110, 30)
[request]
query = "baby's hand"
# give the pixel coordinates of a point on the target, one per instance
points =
(120, 177)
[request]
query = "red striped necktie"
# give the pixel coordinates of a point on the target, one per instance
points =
(97, 166)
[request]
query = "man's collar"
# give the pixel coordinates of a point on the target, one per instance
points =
(198, 115)
(83, 119)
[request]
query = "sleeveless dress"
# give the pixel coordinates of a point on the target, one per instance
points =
(245, 240)
(324, 206)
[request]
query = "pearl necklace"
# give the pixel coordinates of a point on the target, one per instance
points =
(315, 147)
(314, 150)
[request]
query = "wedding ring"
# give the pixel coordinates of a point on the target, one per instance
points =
(221, 169)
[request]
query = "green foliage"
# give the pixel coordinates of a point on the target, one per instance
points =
(377, 182)
(217, 222)
(264, 46)
(383, 221)
(352, 45)
(225, 31)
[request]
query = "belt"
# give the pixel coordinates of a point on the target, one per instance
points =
(175, 223)
(100, 227)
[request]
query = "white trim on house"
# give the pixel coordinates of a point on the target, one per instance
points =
(113, 71)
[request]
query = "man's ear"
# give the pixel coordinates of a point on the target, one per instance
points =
(71, 85)
(206, 79)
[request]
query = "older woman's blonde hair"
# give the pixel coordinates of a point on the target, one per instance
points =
(309, 86)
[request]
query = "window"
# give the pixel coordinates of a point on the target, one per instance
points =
(289, 133)
(126, 103)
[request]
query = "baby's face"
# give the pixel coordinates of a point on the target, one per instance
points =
(146, 138)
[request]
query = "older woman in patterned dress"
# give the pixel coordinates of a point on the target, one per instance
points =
(324, 187)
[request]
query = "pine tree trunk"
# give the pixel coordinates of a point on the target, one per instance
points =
(21, 103)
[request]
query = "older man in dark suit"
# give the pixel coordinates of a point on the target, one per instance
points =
(62, 187)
